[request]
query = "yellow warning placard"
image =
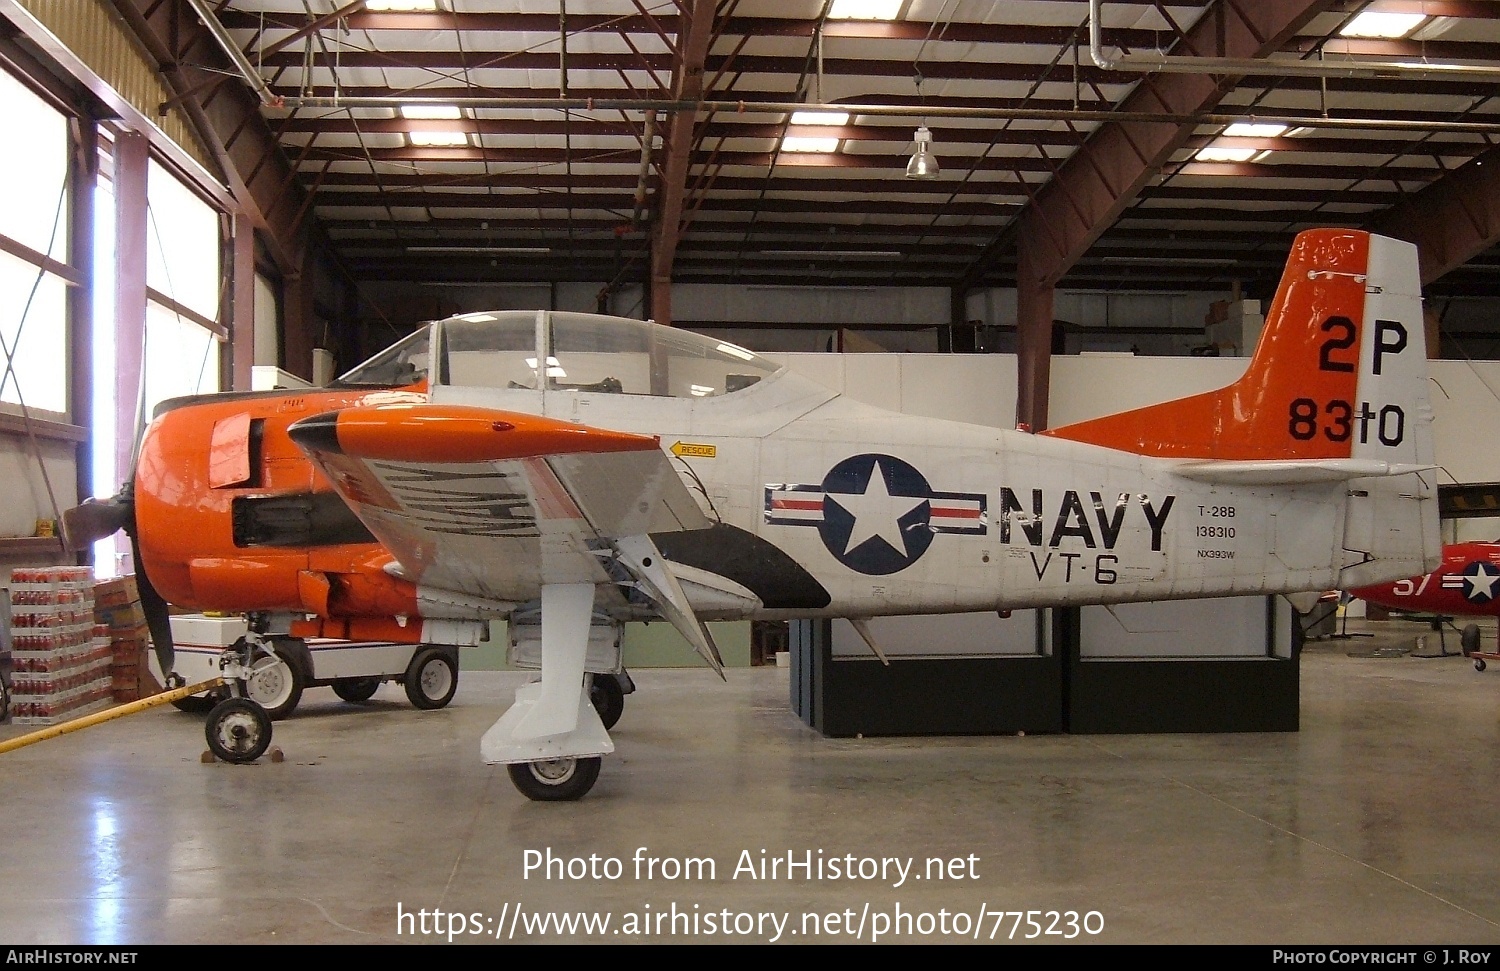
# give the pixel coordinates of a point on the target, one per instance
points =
(695, 451)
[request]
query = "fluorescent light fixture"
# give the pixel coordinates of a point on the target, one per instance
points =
(1216, 154)
(736, 351)
(479, 249)
(401, 5)
(865, 9)
(554, 368)
(820, 117)
(1173, 258)
(477, 318)
(700, 391)
(1391, 26)
(1251, 129)
(438, 139)
(869, 254)
(439, 112)
(809, 143)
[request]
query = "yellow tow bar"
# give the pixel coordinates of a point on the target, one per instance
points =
(109, 714)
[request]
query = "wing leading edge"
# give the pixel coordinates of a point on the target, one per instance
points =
(492, 503)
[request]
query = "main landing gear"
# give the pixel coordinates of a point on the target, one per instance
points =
(555, 780)
(552, 738)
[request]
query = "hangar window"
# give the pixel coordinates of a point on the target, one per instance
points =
(183, 335)
(33, 265)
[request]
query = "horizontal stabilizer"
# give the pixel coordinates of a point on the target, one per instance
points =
(1291, 471)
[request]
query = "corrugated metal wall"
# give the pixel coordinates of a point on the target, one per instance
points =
(94, 32)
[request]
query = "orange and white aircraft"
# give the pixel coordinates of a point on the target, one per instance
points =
(572, 472)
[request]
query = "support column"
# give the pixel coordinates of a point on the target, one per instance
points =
(1033, 340)
(242, 305)
(131, 157)
(81, 299)
(298, 319)
(958, 337)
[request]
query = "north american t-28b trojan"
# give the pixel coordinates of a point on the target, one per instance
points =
(520, 465)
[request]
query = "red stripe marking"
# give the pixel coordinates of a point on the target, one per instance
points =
(796, 503)
(552, 500)
(953, 513)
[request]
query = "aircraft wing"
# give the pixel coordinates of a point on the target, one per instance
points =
(494, 504)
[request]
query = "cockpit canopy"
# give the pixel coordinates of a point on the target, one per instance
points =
(560, 351)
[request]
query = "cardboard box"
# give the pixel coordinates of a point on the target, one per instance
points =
(127, 618)
(116, 593)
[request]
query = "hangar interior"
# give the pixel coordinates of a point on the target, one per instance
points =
(1031, 212)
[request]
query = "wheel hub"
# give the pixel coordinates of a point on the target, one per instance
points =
(269, 683)
(237, 732)
(554, 772)
(434, 680)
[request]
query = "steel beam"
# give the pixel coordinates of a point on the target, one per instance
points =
(1099, 180)
(687, 85)
(1095, 185)
(1034, 298)
(156, 27)
(1451, 220)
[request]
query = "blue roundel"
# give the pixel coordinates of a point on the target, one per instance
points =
(877, 514)
(1479, 582)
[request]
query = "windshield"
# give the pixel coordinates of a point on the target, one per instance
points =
(615, 355)
(490, 350)
(587, 352)
(403, 363)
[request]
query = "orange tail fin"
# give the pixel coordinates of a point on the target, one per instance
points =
(1338, 372)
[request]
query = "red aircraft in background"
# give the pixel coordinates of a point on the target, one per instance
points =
(1466, 585)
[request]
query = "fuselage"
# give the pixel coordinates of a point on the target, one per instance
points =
(831, 507)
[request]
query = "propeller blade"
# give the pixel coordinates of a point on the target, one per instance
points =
(95, 519)
(158, 618)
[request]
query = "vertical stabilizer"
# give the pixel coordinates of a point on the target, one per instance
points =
(1340, 370)
(1336, 390)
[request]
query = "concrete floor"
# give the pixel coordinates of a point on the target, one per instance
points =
(1368, 826)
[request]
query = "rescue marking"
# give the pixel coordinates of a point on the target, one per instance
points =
(695, 450)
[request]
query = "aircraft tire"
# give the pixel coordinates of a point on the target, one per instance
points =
(238, 730)
(1468, 640)
(431, 679)
(356, 691)
(276, 684)
(607, 697)
(555, 780)
(1479, 664)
